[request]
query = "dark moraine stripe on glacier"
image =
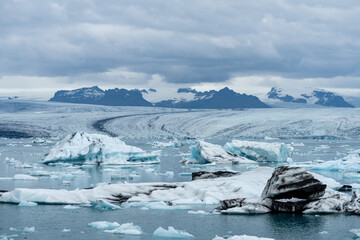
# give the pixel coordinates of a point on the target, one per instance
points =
(100, 124)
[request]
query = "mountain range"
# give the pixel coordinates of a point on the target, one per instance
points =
(193, 99)
(222, 99)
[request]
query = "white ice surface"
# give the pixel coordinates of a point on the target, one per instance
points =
(97, 148)
(171, 232)
(247, 185)
(260, 151)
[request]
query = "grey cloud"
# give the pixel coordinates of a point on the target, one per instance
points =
(184, 41)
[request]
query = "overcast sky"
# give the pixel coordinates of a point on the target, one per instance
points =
(246, 45)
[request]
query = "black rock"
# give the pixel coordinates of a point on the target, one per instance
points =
(209, 175)
(230, 203)
(345, 188)
(293, 182)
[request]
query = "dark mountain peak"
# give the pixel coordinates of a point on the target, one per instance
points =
(186, 90)
(320, 97)
(152, 90)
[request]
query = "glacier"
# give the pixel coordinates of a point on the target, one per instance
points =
(97, 149)
(260, 151)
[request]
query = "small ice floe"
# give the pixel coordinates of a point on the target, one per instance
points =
(355, 231)
(71, 207)
(66, 230)
(104, 225)
(172, 144)
(199, 212)
(160, 205)
(27, 204)
(323, 232)
(204, 153)
(11, 161)
(260, 151)
(85, 148)
(168, 174)
(104, 205)
(8, 237)
(24, 177)
(127, 229)
(23, 229)
(27, 145)
(241, 237)
(39, 173)
(171, 233)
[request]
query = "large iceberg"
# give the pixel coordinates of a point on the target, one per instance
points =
(98, 149)
(260, 151)
(203, 152)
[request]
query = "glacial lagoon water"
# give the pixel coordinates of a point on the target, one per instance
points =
(50, 220)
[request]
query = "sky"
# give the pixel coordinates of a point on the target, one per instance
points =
(248, 46)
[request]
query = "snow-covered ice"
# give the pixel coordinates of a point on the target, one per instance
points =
(350, 162)
(98, 149)
(171, 232)
(104, 225)
(27, 204)
(260, 151)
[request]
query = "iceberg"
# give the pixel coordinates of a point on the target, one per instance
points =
(355, 231)
(23, 177)
(242, 237)
(85, 148)
(27, 204)
(203, 152)
(126, 228)
(172, 144)
(23, 229)
(260, 151)
(104, 225)
(349, 163)
(171, 233)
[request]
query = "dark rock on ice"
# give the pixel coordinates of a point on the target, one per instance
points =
(230, 203)
(209, 175)
(345, 188)
(293, 182)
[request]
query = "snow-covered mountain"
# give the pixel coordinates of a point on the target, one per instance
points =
(184, 98)
(224, 98)
(95, 95)
(308, 97)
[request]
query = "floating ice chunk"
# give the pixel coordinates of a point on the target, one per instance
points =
(40, 173)
(98, 149)
(66, 230)
(8, 237)
(204, 152)
(27, 145)
(104, 225)
(161, 205)
(27, 204)
(355, 231)
(349, 163)
(199, 212)
(23, 229)
(169, 174)
(11, 161)
(260, 151)
(172, 144)
(323, 232)
(71, 207)
(104, 205)
(171, 233)
(126, 228)
(242, 237)
(23, 177)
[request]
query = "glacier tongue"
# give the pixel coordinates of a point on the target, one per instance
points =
(260, 151)
(98, 149)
